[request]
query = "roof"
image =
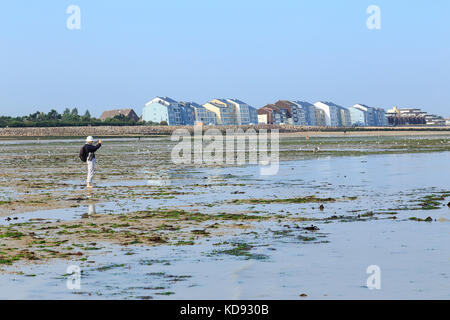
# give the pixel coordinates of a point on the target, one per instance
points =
(162, 100)
(271, 107)
(221, 100)
(218, 105)
(284, 104)
(112, 113)
(191, 104)
(170, 100)
(237, 101)
(304, 103)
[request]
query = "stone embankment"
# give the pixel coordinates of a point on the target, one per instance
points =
(104, 131)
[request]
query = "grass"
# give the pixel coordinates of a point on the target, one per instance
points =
(308, 199)
(12, 234)
(241, 250)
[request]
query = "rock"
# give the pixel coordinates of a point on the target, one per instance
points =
(429, 219)
(303, 295)
(311, 228)
(157, 239)
(76, 199)
(322, 207)
(448, 204)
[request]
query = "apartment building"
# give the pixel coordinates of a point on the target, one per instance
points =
(203, 115)
(406, 116)
(380, 117)
(267, 115)
(162, 109)
(434, 120)
(275, 115)
(320, 117)
(309, 111)
(330, 112)
(358, 117)
(245, 114)
(187, 113)
(225, 111)
(295, 114)
(372, 116)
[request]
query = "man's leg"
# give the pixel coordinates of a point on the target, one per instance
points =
(91, 172)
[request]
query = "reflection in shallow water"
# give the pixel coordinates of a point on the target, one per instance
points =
(91, 210)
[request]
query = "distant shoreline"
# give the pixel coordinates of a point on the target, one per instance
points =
(136, 131)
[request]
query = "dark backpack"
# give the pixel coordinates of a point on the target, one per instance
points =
(83, 154)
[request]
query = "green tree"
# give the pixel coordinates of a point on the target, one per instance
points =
(74, 112)
(53, 115)
(87, 115)
(66, 114)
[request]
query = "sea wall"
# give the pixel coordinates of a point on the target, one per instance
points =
(128, 130)
(103, 131)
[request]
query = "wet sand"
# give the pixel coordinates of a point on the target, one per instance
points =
(326, 215)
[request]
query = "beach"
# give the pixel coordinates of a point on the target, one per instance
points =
(339, 203)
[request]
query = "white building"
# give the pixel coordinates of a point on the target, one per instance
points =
(162, 109)
(330, 111)
(263, 119)
(358, 117)
(372, 116)
(434, 120)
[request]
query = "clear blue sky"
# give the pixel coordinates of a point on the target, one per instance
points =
(127, 52)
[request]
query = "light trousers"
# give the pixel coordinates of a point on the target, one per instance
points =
(91, 170)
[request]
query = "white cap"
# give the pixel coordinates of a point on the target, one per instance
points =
(90, 139)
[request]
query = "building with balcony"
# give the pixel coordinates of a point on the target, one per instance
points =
(330, 112)
(245, 114)
(224, 110)
(309, 111)
(163, 109)
(295, 114)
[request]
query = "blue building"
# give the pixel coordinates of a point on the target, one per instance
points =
(177, 113)
(187, 113)
(363, 115)
(309, 111)
(162, 109)
(358, 117)
(203, 115)
(245, 114)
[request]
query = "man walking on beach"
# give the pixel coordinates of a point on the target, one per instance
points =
(90, 158)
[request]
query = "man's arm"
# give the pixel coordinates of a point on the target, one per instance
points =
(91, 148)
